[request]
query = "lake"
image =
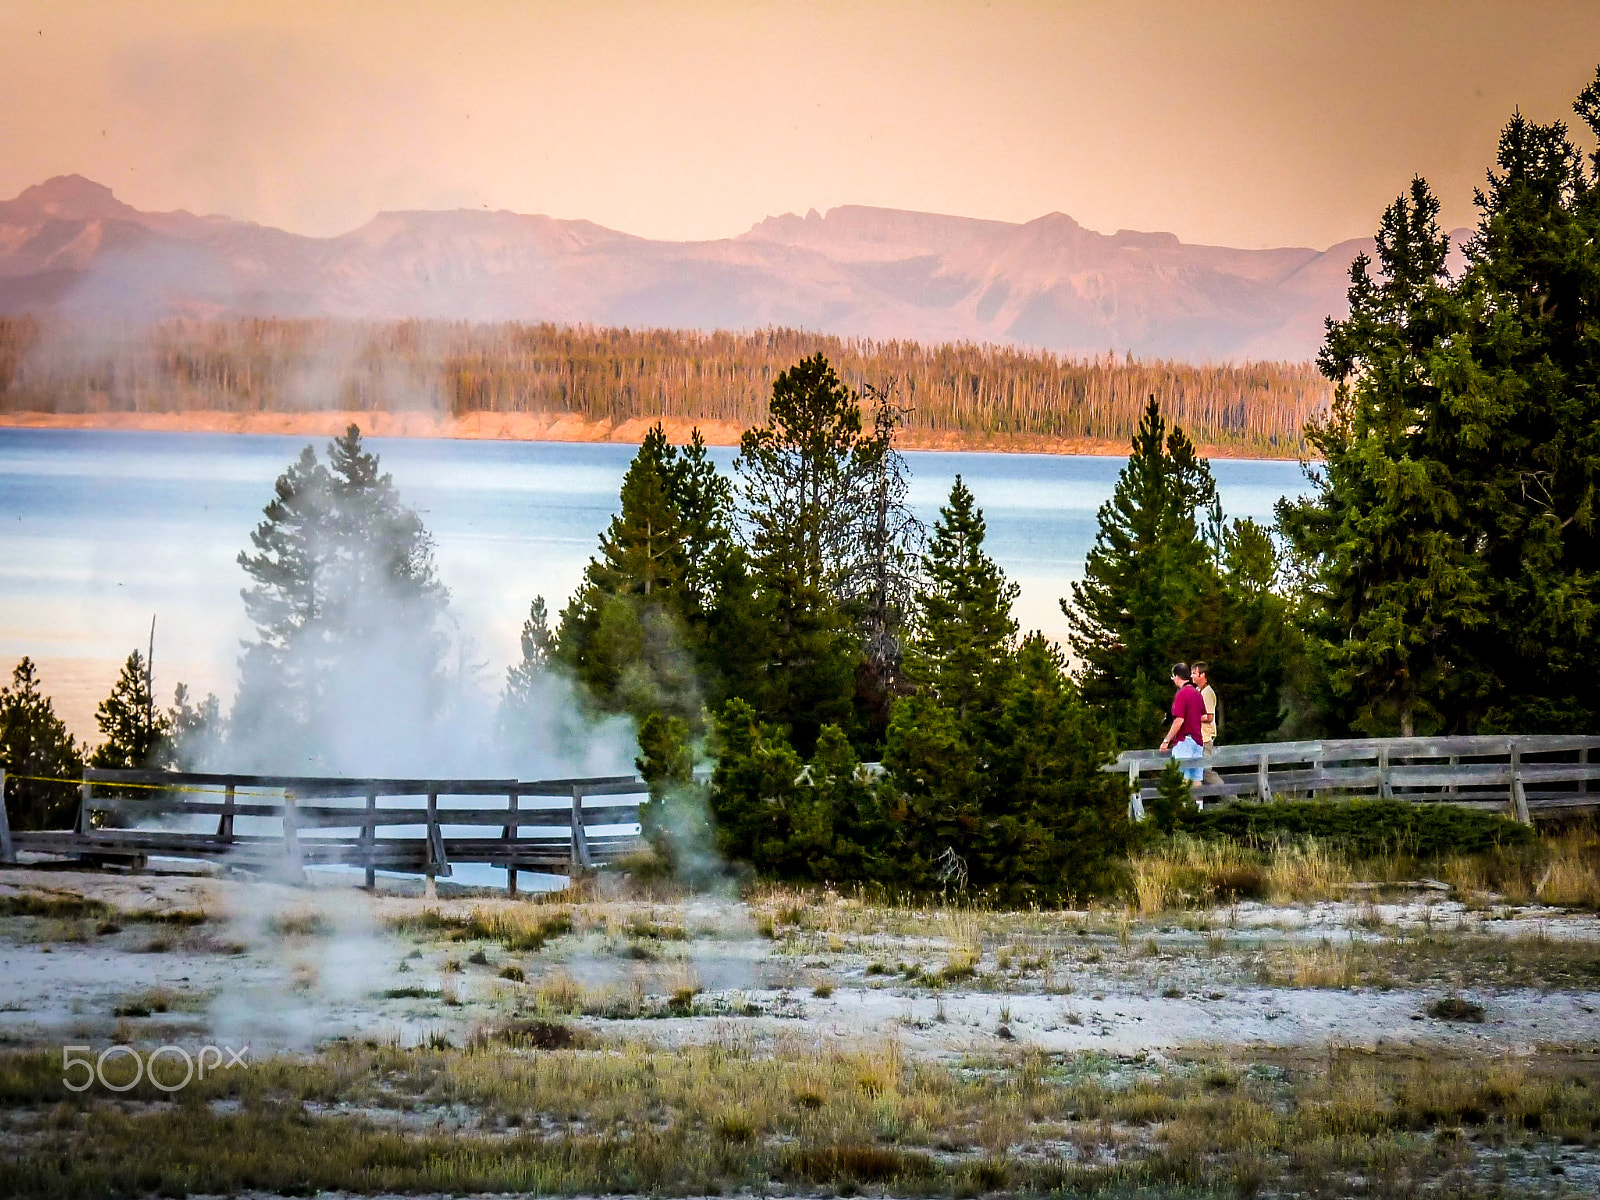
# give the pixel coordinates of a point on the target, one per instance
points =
(101, 530)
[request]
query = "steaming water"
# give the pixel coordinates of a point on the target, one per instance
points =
(99, 530)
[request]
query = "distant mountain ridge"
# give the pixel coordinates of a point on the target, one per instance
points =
(68, 246)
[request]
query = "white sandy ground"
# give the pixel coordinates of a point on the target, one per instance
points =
(247, 985)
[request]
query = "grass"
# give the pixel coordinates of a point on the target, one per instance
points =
(68, 906)
(1185, 872)
(161, 1000)
(1436, 959)
(527, 1107)
(518, 928)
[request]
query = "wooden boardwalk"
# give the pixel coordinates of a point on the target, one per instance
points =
(284, 823)
(1523, 776)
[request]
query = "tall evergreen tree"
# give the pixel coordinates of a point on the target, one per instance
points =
(1523, 395)
(347, 605)
(35, 743)
(642, 632)
(964, 629)
(1149, 596)
(136, 733)
(1452, 542)
(805, 481)
(1393, 589)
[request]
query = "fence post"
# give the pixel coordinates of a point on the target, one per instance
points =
(1519, 794)
(85, 794)
(438, 860)
(369, 840)
(1263, 782)
(580, 840)
(291, 838)
(1385, 792)
(511, 842)
(8, 853)
(1583, 760)
(225, 821)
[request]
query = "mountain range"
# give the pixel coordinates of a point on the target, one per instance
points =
(69, 247)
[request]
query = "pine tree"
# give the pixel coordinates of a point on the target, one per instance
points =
(1015, 792)
(805, 482)
(36, 751)
(641, 631)
(136, 733)
(1523, 395)
(344, 594)
(525, 679)
(1150, 594)
(285, 601)
(1057, 824)
(194, 731)
(1260, 648)
(1174, 797)
(538, 647)
(964, 628)
(1393, 591)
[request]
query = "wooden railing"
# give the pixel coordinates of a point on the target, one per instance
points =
(1521, 775)
(284, 823)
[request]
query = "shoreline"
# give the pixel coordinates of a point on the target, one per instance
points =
(554, 427)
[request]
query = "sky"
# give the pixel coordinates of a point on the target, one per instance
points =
(1245, 124)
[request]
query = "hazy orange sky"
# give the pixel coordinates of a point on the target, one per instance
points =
(1246, 124)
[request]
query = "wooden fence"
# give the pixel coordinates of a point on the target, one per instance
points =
(1522, 776)
(283, 823)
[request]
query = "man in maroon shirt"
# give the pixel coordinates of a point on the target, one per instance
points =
(1186, 739)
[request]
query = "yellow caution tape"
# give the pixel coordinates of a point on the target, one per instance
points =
(152, 787)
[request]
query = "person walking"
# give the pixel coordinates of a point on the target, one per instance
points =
(1185, 739)
(1198, 672)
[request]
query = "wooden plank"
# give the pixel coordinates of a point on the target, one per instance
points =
(595, 786)
(1359, 749)
(307, 785)
(1543, 800)
(138, 807)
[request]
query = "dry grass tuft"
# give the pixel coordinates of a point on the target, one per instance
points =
(1186, 872)
(517, 927)
(1571, 877)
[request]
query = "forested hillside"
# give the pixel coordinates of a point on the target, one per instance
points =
(615, 375)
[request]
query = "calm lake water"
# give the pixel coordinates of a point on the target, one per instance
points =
(101, 530)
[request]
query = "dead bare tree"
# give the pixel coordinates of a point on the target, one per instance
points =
(888, 540)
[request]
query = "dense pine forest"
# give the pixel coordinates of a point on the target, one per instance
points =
(616, 375)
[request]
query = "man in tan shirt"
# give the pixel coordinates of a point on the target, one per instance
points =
(1208, 725)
